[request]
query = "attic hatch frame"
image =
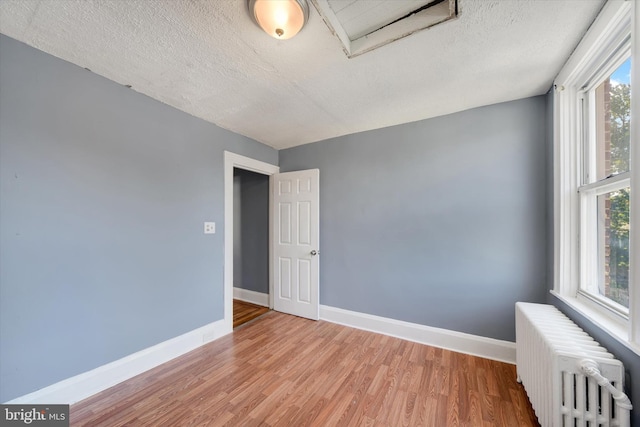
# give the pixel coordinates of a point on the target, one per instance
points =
(422, 18)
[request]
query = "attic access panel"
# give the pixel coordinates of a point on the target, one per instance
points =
(364, 25)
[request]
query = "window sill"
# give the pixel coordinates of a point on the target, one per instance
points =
(616, 329)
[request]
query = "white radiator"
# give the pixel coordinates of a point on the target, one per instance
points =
(570, 379)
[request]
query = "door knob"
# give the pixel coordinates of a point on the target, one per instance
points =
(314, 252)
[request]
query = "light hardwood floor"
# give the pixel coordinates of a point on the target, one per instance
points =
(283, 370)
(244, 312)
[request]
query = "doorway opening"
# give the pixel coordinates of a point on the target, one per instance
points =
(250, 245)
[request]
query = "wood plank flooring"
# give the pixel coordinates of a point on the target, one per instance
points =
(244, 312)
(283, 370)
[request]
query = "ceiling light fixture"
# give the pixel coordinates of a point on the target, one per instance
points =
(281, 19)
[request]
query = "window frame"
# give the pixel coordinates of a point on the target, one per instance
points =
(600, 48)
(590, 187)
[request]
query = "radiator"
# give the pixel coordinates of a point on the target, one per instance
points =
(570, 379)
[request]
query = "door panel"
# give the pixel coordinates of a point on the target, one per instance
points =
(304, 223)
(304, 281)
(285, 223)
(285, 279)
(296, 225)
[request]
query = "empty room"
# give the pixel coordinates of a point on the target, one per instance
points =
(319, 212)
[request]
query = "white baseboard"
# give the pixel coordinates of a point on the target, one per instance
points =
(253, 297)
(489, 348)
(81, 386)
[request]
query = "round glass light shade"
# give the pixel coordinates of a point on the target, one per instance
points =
(281, 19)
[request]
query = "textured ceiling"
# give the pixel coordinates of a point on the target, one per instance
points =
(207, 58)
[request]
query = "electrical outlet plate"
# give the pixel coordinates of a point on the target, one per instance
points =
(209, 228)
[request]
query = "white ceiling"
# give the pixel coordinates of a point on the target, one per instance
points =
(208, 58)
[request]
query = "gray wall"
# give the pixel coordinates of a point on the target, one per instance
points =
(237, 229)
(440, 222)
(251, 231)
(103, 193)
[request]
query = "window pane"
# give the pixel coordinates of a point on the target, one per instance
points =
(613, 246)
(613, 116)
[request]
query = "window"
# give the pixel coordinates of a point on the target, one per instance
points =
(595, 184)
(604, 187)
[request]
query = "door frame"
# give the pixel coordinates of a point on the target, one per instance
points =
(231, 161)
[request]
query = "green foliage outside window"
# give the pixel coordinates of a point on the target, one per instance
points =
(620, 109)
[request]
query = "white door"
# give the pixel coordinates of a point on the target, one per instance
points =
(295, 261)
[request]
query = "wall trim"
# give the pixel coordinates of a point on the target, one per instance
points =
(489, 348)
(79, 387)
(258, 298)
